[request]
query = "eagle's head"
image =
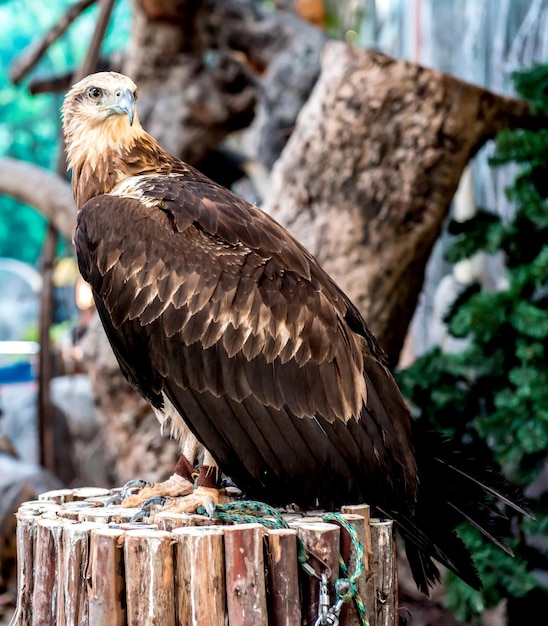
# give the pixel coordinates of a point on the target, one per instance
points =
(99, 115)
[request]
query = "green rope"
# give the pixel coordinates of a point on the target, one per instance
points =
(346, 588)
(251, 511)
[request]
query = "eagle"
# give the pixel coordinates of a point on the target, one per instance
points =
(237, 337)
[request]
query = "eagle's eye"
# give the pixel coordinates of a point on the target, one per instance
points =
(94, 93)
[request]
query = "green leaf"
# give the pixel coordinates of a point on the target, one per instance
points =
(530, 320)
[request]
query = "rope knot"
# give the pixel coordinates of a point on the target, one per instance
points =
(345, 589)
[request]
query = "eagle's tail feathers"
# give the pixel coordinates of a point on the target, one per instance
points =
(454, 489)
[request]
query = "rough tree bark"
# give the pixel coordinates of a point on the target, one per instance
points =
(368, 175)
(133, 445)
(187, 104)
(260, 62)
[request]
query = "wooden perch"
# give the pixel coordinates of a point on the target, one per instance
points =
(109, 571)
(385, 583)
(148, 564)
(367, 178)
(31, 55)
(200, 590)
(284, 576)
(106, 577)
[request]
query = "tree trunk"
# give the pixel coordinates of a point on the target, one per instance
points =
(368, 175)
(132, 444)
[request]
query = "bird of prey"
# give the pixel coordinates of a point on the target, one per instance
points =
(235, 334)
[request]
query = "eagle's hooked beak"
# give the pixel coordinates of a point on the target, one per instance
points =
(124, 102)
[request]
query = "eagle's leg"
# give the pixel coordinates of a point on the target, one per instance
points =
(180, 483)
(207, 493)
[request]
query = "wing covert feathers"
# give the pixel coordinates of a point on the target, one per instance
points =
(229, 286)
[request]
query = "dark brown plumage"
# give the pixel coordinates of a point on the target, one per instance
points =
(219, 317)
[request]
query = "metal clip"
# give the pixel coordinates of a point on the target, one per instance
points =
(328, 616)
(323, 602)
(334, 612)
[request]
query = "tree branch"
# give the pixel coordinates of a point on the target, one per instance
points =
(31, 55)
(43, 190)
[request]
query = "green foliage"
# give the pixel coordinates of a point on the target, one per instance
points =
(496, 389)
(29, 125)
(501, 574)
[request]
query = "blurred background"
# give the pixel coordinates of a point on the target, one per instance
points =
(233, 77)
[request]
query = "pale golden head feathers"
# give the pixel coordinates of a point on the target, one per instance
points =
(99, 114)
(104, 141)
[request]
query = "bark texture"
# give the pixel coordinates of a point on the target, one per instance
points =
(260, 62)
(132, 444)
(368, 175)
(188, 100)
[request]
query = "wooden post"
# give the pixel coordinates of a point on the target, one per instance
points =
(283, 580)
(245, 585)
(367, 595)
(349, 614)
(385, 573)
(44, 593)
(148, 563)
(107, 598)
(200, 572)
(25, 566)
(72, 564)
(323, 542)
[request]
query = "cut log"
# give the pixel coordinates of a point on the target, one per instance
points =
(323, 543)
(369, 594)
(200, 594)
(350, 613)
(73, 559)
(107, 601)
(46, 554)
(284, 577)
(368, 175)
(148, 566)
(385, 581)
(245, 585)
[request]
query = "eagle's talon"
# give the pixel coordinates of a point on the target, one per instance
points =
(115, 498)
(132, 485)
(148, 507)
(202, 497)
